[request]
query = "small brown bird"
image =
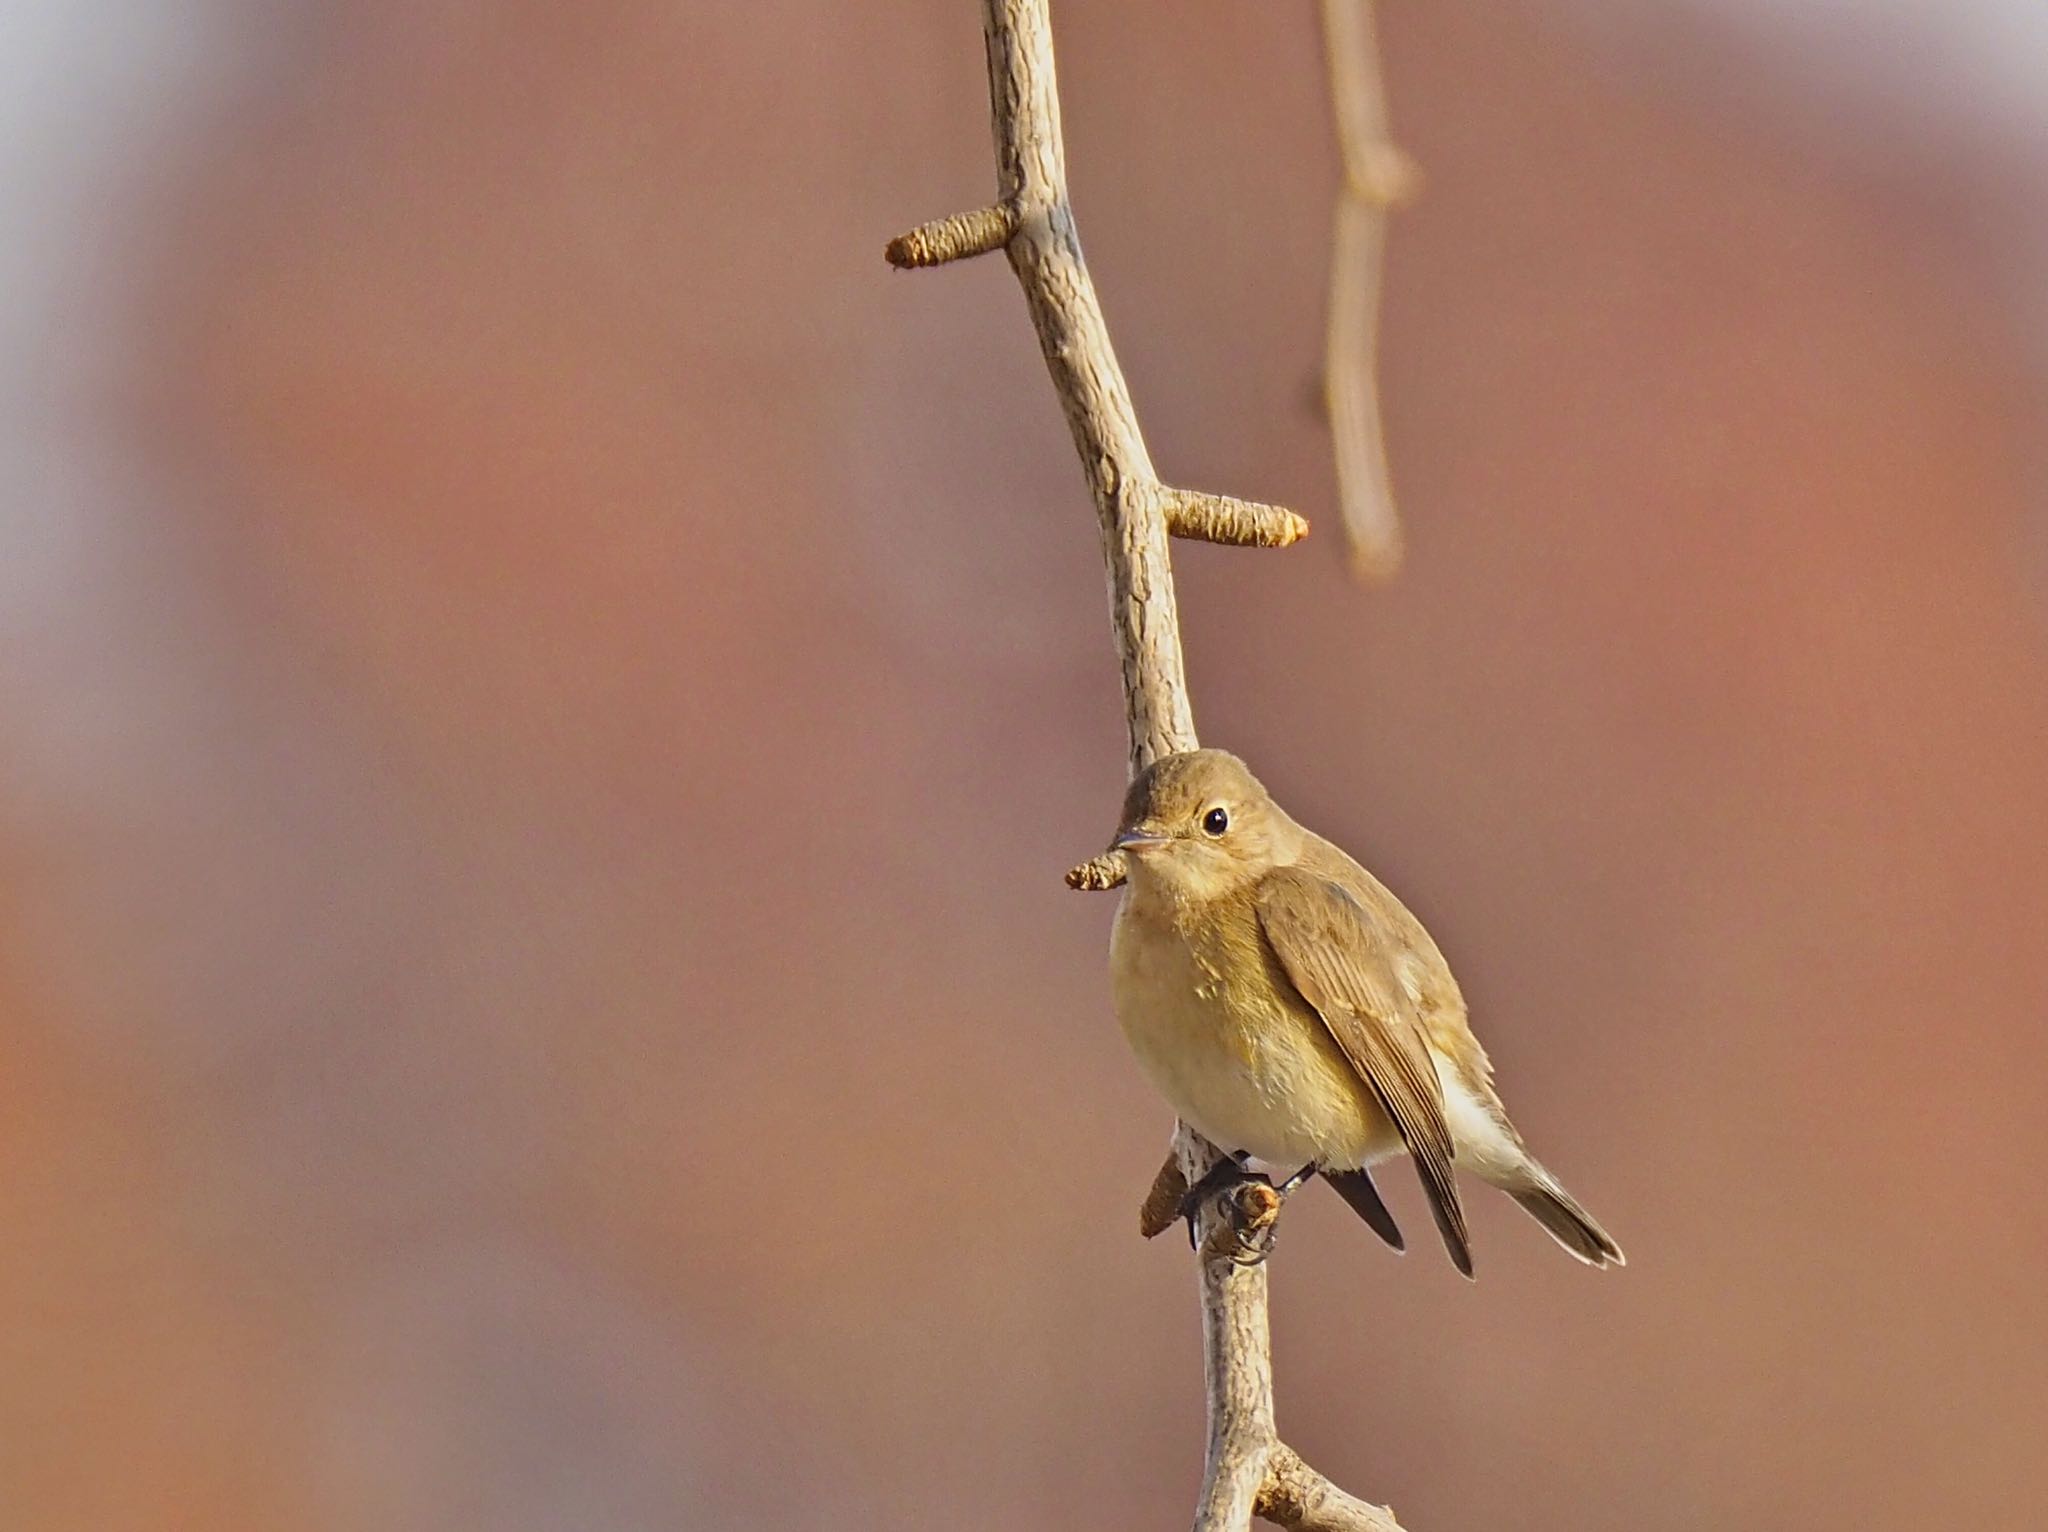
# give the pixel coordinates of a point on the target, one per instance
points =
(1291, 1010)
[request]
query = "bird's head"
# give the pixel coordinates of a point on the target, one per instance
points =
(1199, 825)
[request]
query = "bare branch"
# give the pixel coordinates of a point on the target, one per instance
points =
(1237, 1358)
(1045, 252)
(1136, 513)
(1377, 177)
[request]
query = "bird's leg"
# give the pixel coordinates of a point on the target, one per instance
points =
(1299, 1179)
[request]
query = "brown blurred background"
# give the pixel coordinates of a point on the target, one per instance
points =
(547, 695)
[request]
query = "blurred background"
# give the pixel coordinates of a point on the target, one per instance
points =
(547, 694)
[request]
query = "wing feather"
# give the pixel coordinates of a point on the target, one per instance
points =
(1343, 965)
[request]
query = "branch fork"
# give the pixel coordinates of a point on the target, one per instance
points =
(1248, 1469)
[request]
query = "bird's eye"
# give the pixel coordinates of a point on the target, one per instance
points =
(1216, 821)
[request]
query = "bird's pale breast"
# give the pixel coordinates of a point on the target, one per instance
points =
(1243, 1061)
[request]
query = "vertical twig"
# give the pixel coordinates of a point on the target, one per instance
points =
(1248, 1469)
(1377, 177)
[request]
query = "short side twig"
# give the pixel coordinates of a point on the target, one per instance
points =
(1377, 177)
(1099, 873)
(1248, 1470)
(1220, 519)
(953, 239)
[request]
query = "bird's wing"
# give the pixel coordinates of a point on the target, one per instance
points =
(1342, 964)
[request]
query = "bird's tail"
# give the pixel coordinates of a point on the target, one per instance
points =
(1544, 1200)
(1356, 1188)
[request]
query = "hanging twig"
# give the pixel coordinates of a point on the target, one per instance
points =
(1248, 1468)
(1377, 177)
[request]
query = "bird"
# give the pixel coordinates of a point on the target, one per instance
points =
(1292, 1011)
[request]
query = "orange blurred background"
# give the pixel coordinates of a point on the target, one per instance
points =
(548, 694)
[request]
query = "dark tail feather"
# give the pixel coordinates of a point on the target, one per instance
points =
(1449, 1214)
(1356, 1188)
(1568, 1223)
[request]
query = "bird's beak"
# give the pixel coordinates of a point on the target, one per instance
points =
(1137, 840)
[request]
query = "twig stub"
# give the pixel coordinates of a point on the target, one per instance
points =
(1222, 519)
(1099, 873)
(952, 239)
(1162, 1204)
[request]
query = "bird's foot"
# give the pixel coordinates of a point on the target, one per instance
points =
(1249, 1205)
(1249, 1223)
